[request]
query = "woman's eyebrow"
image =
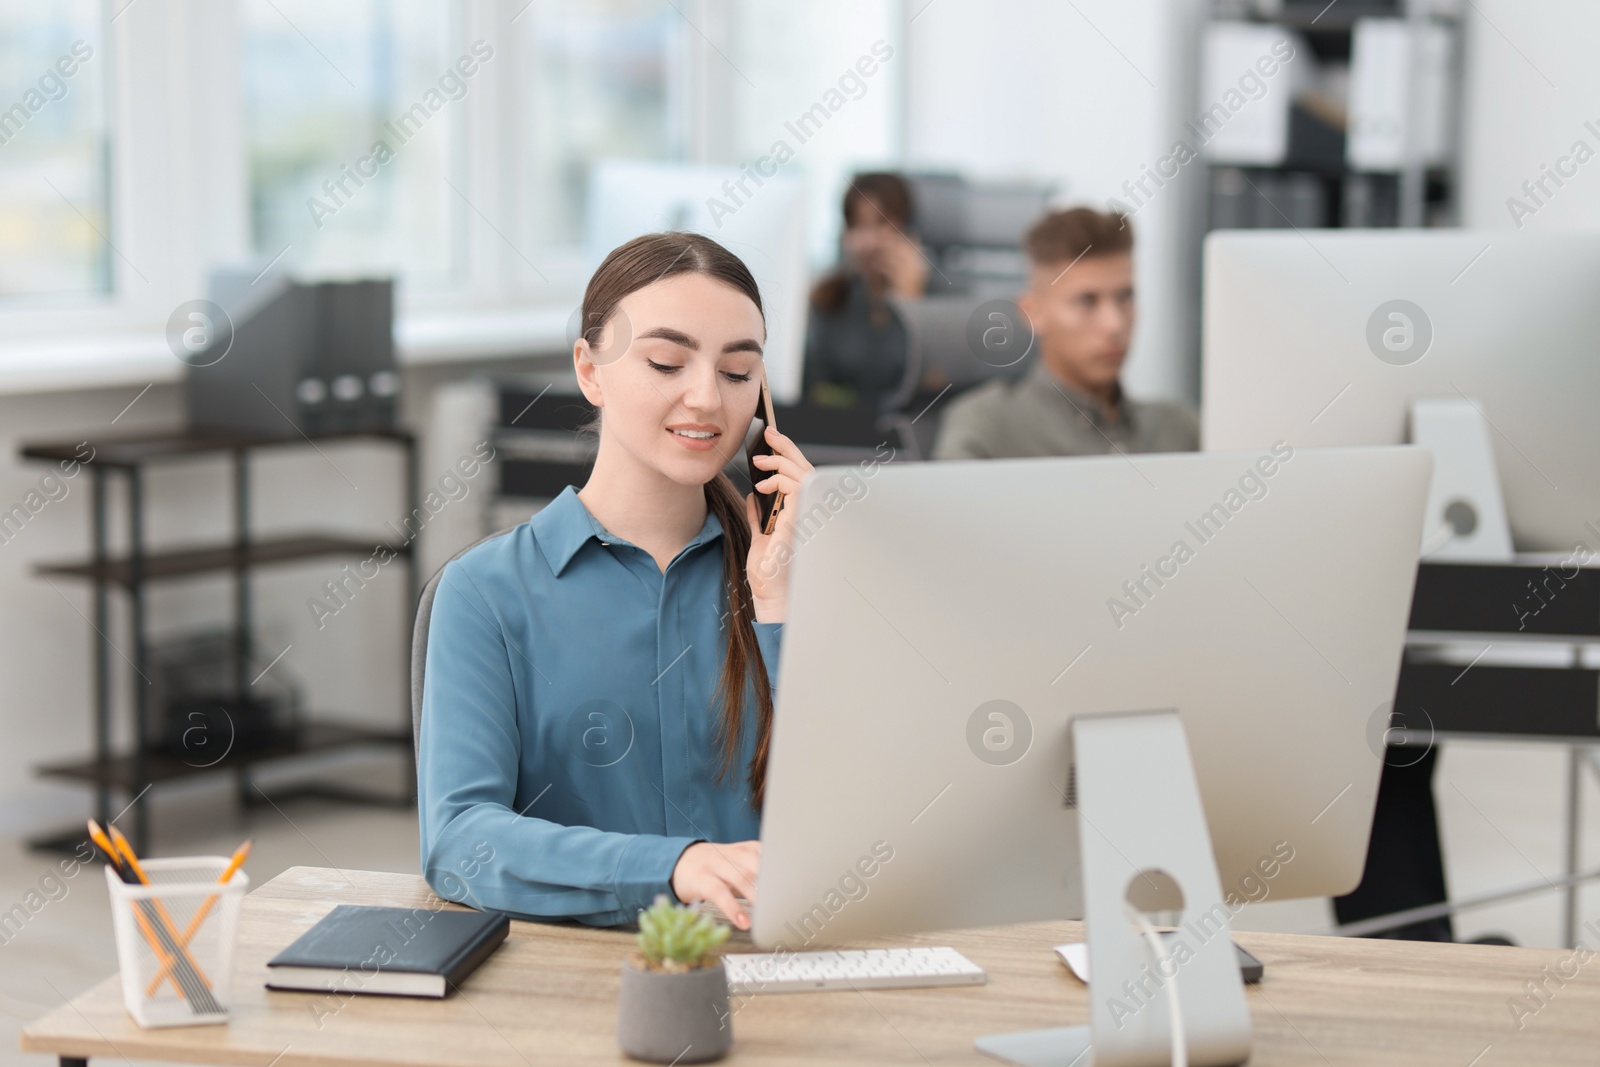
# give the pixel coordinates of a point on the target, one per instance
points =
(677, 337)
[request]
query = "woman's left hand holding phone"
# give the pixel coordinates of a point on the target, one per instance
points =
(771, 554)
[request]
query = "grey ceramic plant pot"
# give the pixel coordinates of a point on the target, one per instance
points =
(674, 1018)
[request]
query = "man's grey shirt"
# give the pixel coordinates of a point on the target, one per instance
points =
(1039, 415)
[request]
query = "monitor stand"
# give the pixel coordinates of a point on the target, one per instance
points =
(1144, 841)
(1466, 515)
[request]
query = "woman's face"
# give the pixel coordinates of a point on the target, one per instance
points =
(870, 235)
(676, 374)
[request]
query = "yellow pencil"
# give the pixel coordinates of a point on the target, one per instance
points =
(200, 914)
(125, 850)
(98, 836)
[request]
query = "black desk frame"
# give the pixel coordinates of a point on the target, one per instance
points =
(1464, 603)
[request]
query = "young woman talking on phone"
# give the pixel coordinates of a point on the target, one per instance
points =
(599, 680)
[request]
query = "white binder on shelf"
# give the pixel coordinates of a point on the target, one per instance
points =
(1243, 113)
(1383, 56)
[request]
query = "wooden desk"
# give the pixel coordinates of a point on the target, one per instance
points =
(549, 996)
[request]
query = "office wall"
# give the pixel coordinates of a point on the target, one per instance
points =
(1530, 87)
(1085, 95)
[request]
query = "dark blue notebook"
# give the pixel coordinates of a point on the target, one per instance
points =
(408, 952)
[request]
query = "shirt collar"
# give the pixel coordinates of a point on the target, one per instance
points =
(564, 525)
(1074, 399)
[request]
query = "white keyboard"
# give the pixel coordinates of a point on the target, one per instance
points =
(878, 968)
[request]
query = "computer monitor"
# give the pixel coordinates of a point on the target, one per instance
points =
(1302, 343)
(762, 223)
(1269, 609)
(953, 627)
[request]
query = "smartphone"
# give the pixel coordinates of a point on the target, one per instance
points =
(767, 504)
(1076, 956)
(1250, 968)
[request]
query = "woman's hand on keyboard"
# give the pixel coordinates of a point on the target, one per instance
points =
(720, 873)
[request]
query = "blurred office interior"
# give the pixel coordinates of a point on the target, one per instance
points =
(200, 154)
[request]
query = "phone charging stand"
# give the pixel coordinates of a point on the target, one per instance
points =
(1144, 842)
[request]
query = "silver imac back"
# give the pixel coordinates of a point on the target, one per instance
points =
(948, 621)
(1301, 343)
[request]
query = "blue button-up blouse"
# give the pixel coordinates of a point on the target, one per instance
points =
(568, 751)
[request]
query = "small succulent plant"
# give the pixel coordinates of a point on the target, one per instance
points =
(676, 937)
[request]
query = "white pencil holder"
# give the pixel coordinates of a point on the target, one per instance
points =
(176, 938)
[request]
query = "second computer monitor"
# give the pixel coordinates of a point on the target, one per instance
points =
(1326, 338)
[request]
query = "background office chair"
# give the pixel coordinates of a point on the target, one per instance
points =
(419, 636)
(972, 231)
(940, 355)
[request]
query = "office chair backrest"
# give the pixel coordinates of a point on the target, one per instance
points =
(944, 335)
(419, 636)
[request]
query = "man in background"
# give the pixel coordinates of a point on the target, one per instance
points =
(1080, 304)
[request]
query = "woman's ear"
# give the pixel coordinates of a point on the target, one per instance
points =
(588, 380)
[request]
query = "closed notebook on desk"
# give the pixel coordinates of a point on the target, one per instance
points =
(407, 952)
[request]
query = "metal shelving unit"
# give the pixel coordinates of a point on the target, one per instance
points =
(134, 772)
(1316, 168)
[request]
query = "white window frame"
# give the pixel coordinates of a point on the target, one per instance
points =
(179, 195)
(176, 199)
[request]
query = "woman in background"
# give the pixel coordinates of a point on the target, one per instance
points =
(856, 347)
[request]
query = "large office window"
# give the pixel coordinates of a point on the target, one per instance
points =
(604, 81)
(54, 153)
(353, 115)
(364, 149)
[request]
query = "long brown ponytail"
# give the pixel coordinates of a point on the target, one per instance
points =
(627, 269)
